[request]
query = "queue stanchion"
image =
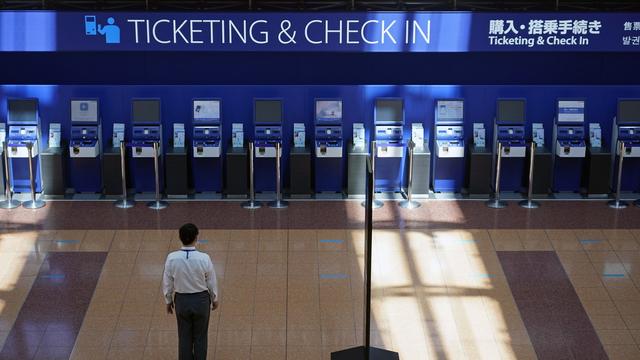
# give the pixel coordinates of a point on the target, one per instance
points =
(529, 203)
(124, 203)
(409, 203)
(377, 204)
(9, 202)
(252, 203)
(496, 203)
(33, 203)
(617, 203)
(278, 203)
(157, 204)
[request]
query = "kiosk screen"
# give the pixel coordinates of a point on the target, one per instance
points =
(629, 111)
(329, 110)
(84, 111)
(570, 111)
(268, 111)
(206, 110)
(23, 111)
(511, 111)
(450, 110)
(389, 111)
(146, 111)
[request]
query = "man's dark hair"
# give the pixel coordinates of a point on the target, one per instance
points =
(188, 233)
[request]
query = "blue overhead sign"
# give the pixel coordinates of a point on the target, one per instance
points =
(327, 32)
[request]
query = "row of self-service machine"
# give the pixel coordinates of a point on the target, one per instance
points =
(450, 170)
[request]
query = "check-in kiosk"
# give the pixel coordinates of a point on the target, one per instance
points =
(206, 144)
(449, 162)
(236, 172)
(146, 130)
(329, 167)
(390, 150)
(357, 154)
(509, 132)
(267, 133)
(300, 184)
(23, 120)
(85, 146)
(626, 130)
(570, 147)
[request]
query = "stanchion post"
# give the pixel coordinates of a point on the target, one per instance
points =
(33, 203)
(409, 203)
(124, 203)
(157, 204)
(252, 203)
(496, 203)
(529, 203)
(366, 351)
(278, 203)
(373, 151)
(617, 203)
(9, 202)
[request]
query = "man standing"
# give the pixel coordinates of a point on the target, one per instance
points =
(190, 274)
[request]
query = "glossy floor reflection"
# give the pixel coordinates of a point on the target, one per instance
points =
(296, 293)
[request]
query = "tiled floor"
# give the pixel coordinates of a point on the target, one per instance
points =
(294, 291)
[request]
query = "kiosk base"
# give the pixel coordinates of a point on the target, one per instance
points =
(111, 172)
(360, 352)
(542, 171)
(300, 172)
(356, 173)
(237, 172)
(421, 172)
(479, 175)
(54, 172)
(176, 167)
(598, 171)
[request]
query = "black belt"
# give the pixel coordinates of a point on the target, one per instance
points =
(189, 294)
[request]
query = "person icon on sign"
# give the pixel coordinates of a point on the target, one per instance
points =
(111, 31)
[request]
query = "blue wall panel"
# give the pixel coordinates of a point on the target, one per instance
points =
(163, 68)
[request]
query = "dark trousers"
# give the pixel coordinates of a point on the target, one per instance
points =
(192, 312)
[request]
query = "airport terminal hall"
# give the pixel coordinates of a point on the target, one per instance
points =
(319, 180)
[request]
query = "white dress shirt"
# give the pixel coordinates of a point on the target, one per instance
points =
(188, 271)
